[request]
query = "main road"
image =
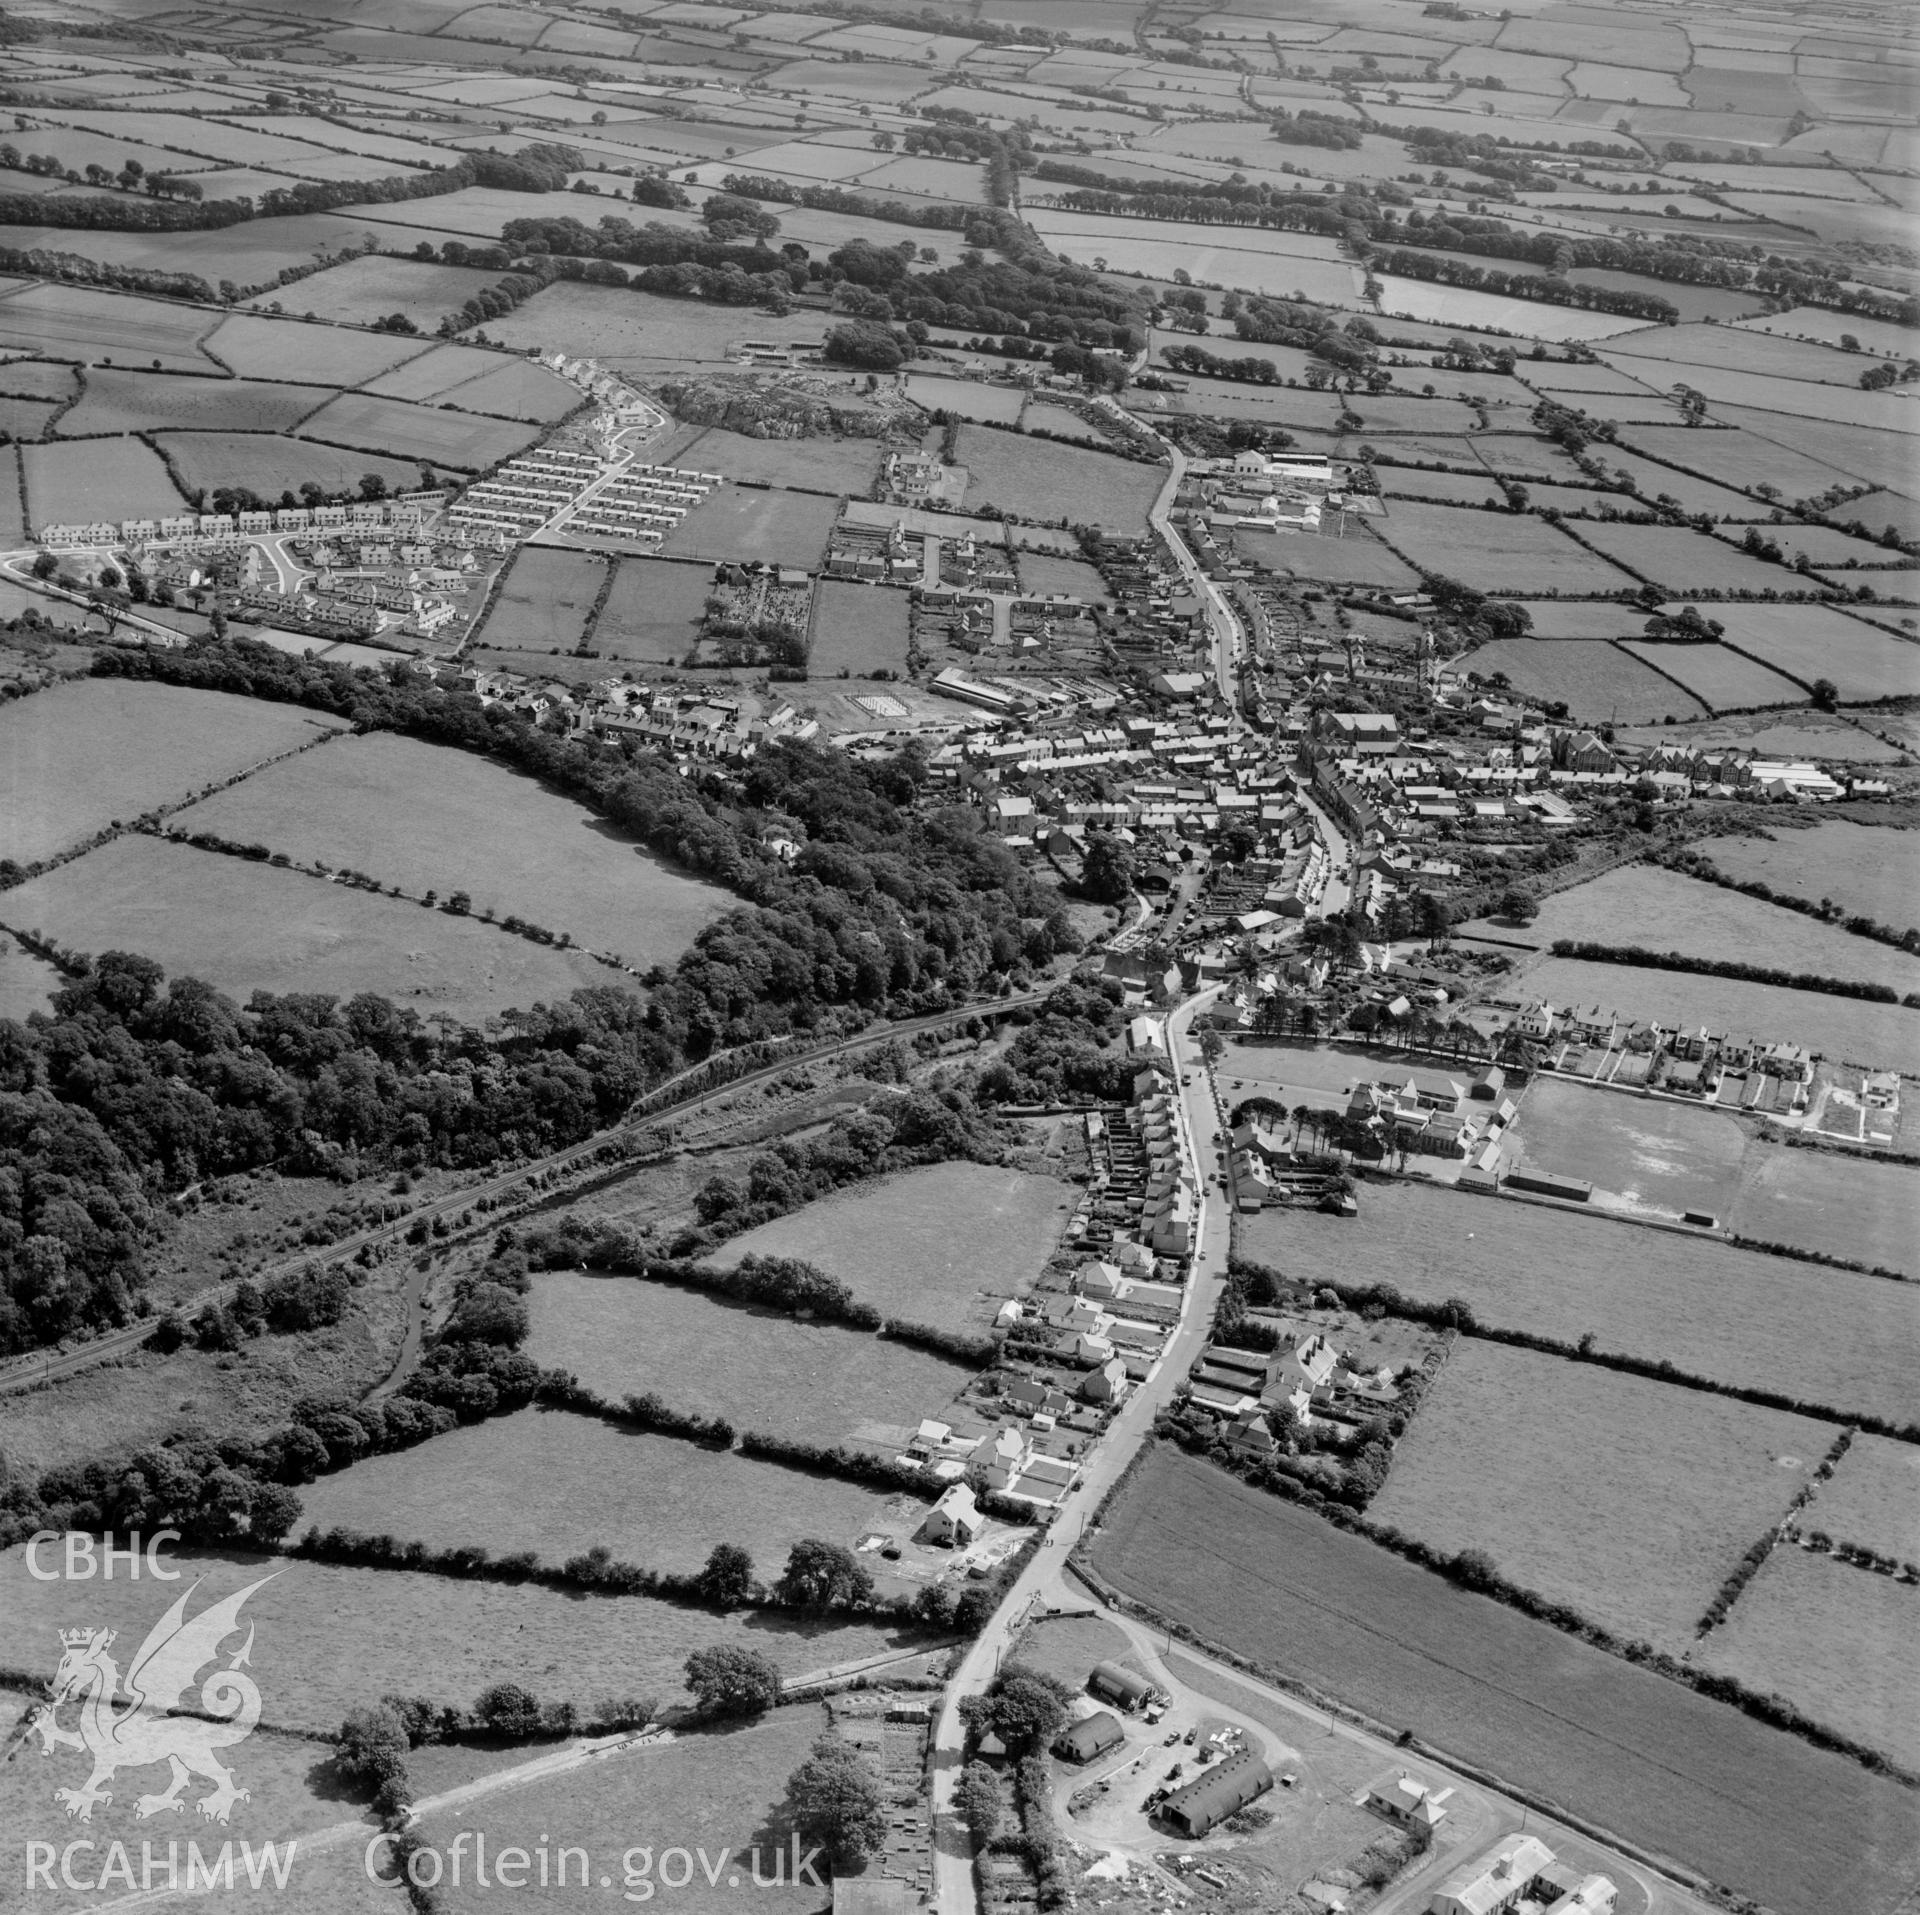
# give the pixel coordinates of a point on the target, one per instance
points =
(1199, 1138)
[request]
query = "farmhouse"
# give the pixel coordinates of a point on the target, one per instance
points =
(1405, 1799)
(1091, 1736)
(1205, 1802)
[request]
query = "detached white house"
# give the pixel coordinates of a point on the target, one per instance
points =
(954, 1521)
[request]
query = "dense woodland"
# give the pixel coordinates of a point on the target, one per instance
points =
(134, 1086)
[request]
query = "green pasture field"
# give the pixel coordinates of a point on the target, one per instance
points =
(1855, 451)
(1631, 1751)
(1731, 456)
(1826, 736)
(1818, 324)
(1067, 1647)
(788, 528)
(1662, 354)
(1863, 868)
(1597, 680)
(1646, 904)
(82, 754)
(374, 285)
(1873, 1036)
(1872, 1498)
(26, 983)
(558, 1484)
(1738, 1316)
(652, 615)
(1679, 560)
(89, 479)
(329, 1639)
(269, 464)
(260, 348)
(545, 858)
(433, 375)
(545, 600)
(1829, 547)
(968, 398)
(1515, 457)
(1594, 618)
(1720, 679)
(517, 390)
(1037, 480)
(946, 1245)
(1495, 312)
(1628, 1500)
(1836, 1641)
(245, 927)
(37, 379)
(1359, 558)
(1496, 551)
(619, 327)
(857, 628)
(117, 401)
(1693, 494)
(1409, 412)
(1805, 642)
(813, 465)
(25, 418)
(95, 328)
(814, 1381)
(1862, 1208)
(1042, 572)
(465, 440)
(1445, 488)
(250, 254)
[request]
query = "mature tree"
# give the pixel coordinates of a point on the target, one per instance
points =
(983, 1802)
(509, 1710)
(371, 1748)
(1106, 872)
(1517, 906)
(837, 1801)
(823, 1576)
(727, 1581)
(732, 1682)
(1826, 694)
(1023, 1708)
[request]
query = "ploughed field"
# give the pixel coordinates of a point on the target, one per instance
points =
(1758, 1810)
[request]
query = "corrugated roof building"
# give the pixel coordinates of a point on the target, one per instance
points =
(1207, 1801)
(1091, 1736)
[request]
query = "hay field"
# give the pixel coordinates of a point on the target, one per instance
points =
(758, 1368)
(1496, 551)
(77, 756)
(467, 440)
(117, 401)
(87, 479)
(1737, 1316)
(246, 927)
(1865, 1209)
(405, 812)
(1597, 680)
(1038, 480)
(789, 528)
(267, 463)
(545, 600)
(558, 1484)
(1862, 868)
(1661, 910)
(857, 628)
(96, 328)
(1664, 1767)
(1841, 1644)
(945, 1245)
(1873, 1499)
(652, 615)
(1720, 679)
(1628, 1500)
(1806, 642)
(334, 1639)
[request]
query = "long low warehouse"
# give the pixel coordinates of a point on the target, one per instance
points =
(1209, 1799)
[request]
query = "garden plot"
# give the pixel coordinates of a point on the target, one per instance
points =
(1597, 681)
(1809, 642)
(858, 629)
(1866, 870)
(78, 482)
(1838, 1642)
(244, 927)
(652, 615)
(946, 1245)
(268, 465)
(1034, 479)
(94, 328)
(1872, 1499)
(1496, 551)
(1639, 1546)
(77, 756)
(543, 857)
(844, 467)
(545, 600)
(1720, 679)
(432, 434)
(258, 348)
(116, 401)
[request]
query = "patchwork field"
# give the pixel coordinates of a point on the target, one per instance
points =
(337, 1639)
(1681, 561)
(1496, 551)
(1596, 680)
(79, 755)
(90, 479)
(245, 927)
(544, 858)
(1646, 905)
(860, 629)
(117, 401)
(545, 600)
(1736, 1316)
(1839, 1643)
(814, 1381)
(1666, 1768)
(268, 465)
(1628, 1500)
(559, 1484)
(1720, 679)
(1806, 642)
(363, 290)
(946, 1245)
(1035, 479)
(1862, 868)
(1872, 1498)
(259, 348)
(468, 440)
(95, 328)
(652, 614)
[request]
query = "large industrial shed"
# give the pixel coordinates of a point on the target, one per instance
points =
(1209, 1799)
(1113, 1682)
(1091, 1736)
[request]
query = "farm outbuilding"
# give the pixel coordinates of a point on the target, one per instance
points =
(1112, 1682)
(1205, 1802)
(1091, 1736)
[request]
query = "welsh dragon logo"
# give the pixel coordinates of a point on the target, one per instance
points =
(148, 1730)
